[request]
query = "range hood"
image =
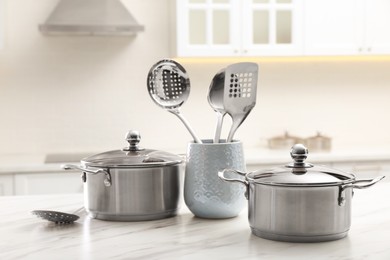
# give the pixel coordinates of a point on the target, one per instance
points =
(90, 17)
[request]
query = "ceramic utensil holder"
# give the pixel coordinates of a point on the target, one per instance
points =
(205, 194)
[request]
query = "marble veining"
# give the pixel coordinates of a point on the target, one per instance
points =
(24, 236)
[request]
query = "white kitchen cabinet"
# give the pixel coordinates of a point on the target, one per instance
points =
(6, 185)
(377, 16)
(207, 28)
(239, 28)
(348, 27)
(271, 28)
(47, 183)
(282, 27)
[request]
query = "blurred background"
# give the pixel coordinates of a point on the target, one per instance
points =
(80, 94)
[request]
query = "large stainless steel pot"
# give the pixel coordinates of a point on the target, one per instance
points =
(300, 202)
(131, 184)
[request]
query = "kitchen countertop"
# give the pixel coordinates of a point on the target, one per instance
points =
(24, 236)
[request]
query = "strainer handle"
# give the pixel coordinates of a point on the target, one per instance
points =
(187, 125)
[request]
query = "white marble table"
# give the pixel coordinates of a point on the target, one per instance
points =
(24, 236)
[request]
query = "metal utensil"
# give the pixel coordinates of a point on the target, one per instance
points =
(57, 216)
(169, 87)
(215, 98)
(240, 92)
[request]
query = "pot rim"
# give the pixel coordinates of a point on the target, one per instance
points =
(349, 180)
(135, 166)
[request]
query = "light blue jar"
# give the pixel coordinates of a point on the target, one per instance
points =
(205, 194)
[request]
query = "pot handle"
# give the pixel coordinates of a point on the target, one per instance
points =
(371, 182)
(107, 181)
(221, 175)
(357, 184)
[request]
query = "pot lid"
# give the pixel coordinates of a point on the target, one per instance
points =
(132, 156)
(300, 173)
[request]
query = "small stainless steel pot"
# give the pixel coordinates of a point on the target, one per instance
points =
(300, 202)
(131, 184)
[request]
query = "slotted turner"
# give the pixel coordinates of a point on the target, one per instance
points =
(239, 93)
(169, 87)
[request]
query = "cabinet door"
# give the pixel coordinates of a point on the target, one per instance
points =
(207, 27)
(333, 27)
(377, 27)
(272, 27)
(47, 183)
(6, 185)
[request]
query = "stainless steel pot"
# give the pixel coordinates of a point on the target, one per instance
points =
(300, 202)
(131, 184)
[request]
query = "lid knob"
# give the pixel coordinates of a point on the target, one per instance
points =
(133, 137)
(299, 154)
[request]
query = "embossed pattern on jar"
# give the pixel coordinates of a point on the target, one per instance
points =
(204, 193)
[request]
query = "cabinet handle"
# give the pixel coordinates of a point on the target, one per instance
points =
(369, 49)
(360, 49)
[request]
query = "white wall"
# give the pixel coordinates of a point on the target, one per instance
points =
(81, 94)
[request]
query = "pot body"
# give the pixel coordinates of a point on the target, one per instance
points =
(299, 202)
(299, 214)
(134, 194)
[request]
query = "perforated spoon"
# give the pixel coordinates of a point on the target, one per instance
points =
(169, 87)
(215, 98)
(240, 93)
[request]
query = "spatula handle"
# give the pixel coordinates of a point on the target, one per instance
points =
(218, 129)
(237, 121)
